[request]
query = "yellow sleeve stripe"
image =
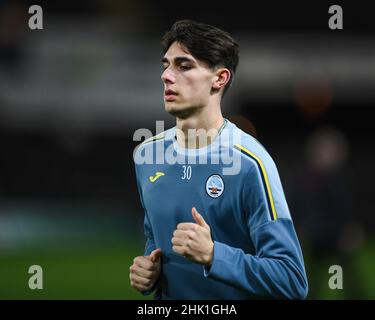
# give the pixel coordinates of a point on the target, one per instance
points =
(160, 136)
(270, 201)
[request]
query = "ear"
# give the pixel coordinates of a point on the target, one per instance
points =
(222, 76)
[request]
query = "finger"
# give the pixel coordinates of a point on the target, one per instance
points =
(183, 234)
(179, 249)
(141, 272)
(155, 255)
(178, 241)
(144, 262)
(198, 218)
(140, 280)
(186, 226)
(135, 284)
(138, 286)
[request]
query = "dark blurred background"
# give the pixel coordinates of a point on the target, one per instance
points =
(72, 95)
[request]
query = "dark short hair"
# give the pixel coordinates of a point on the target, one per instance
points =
(206, 43)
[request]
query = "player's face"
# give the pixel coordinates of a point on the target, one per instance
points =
(187, 81)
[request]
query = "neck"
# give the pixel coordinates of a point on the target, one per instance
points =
(200, 129)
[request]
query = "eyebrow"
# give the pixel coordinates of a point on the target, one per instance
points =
(178, 60)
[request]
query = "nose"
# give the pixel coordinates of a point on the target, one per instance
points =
(168, 76)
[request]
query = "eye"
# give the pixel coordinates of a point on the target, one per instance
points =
(185, 68)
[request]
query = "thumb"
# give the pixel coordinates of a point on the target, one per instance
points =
(156, 254)
(198, 218)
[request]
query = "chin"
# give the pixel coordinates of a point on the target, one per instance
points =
(179, 111)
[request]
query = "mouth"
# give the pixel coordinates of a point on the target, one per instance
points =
(170, 95)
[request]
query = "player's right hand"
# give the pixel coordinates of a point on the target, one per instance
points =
(145, 271)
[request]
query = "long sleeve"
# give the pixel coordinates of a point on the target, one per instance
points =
(149, 247)
(150, 243)
(276, 269)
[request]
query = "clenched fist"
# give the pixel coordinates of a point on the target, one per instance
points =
(193, 240)
(145, 271)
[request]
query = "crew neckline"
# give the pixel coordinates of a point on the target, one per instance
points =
(202, 150)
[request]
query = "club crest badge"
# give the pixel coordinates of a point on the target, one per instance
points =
(215, 186)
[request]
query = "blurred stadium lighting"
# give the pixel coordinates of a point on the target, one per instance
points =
(91, 75)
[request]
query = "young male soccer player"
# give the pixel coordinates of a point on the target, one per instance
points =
(211, 233)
